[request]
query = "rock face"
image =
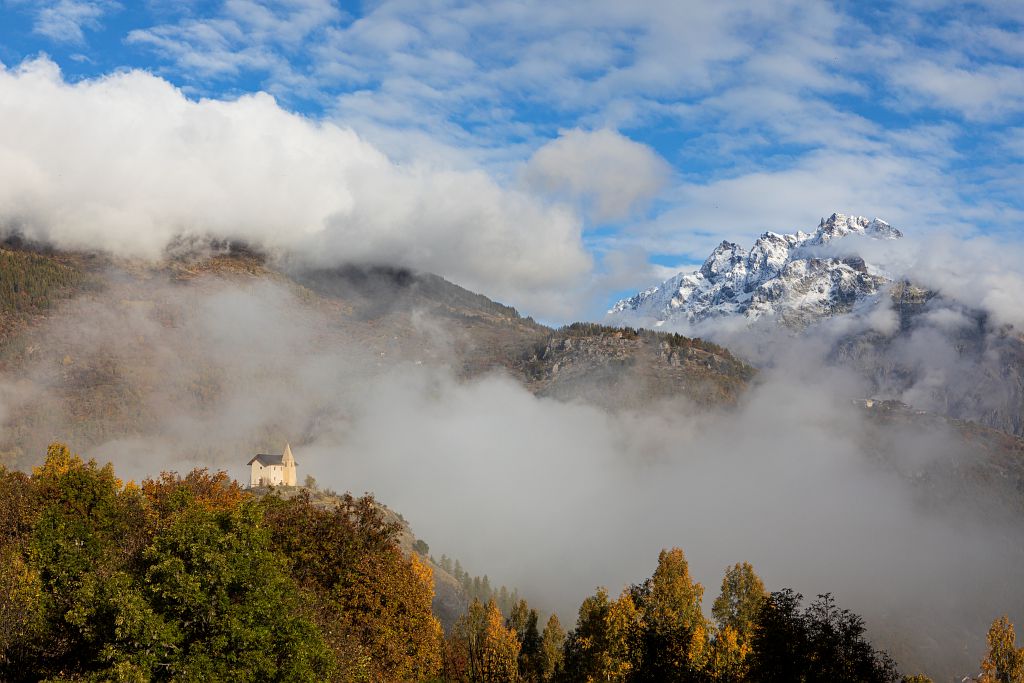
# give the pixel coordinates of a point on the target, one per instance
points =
(793, 276)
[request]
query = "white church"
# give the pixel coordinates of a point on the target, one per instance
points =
(273, 470)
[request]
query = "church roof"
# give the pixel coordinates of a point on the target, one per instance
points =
(266, 459)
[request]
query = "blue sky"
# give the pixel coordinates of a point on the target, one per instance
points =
(644, 132)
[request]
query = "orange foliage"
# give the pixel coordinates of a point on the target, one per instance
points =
(215, 492)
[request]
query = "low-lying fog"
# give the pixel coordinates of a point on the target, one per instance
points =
(553, 498)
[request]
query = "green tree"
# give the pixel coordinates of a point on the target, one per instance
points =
(236, 614)
(821, 643)
(88, 531)
(523, 620)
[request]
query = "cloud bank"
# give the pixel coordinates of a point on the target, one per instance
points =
(126, 163)
(608, 172)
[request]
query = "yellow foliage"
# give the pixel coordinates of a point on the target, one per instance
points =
(20, 600)
(60, 461)
(728, 656)
(388, 609)
(500, 649)
(1003, 663)
(624, 625)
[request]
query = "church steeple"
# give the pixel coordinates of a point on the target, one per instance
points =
(288, 461)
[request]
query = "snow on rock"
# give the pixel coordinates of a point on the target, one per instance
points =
(783, 275)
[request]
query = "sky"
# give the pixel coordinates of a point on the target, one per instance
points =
(555, 156)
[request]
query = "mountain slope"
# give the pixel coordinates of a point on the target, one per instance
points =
(213, 352)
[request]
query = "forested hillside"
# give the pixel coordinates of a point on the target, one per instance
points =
(193, 578)
(97, 349)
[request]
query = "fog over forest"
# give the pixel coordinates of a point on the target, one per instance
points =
(554, 497)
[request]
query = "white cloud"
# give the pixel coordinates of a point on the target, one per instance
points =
(63, 21)
(888, 185)
(607, 171)
(984, 92)
(126, 163)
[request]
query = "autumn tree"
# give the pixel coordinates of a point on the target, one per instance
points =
(21, 608)
(170, 492)
(481, 648)
(372, 603)
(727, 661)
(22, 619)
(500, 649)
(675, 633)
(552, 644)
(1004, 662)
(740, 600)
(735, 611)
(604, 646)
(464, 657)
(385, 604)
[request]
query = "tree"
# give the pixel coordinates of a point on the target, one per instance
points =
(552, 644)
(1003, 662)
(500, 649)
(735, 611)
(675, 632)
(780, 643)
(740, 600)
(234, 611)
(466, 645)
(586, 647)
(523, 621)
(603, 645)
(821, 643)
(22, 619)
(170, 492)
(372, 604)
(88, 530)
(386, 605)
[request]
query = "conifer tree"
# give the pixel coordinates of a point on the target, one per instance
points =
(523, 620)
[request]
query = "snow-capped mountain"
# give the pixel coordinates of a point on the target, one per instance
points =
(789, 275)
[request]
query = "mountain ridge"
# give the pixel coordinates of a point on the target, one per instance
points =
(780, 274)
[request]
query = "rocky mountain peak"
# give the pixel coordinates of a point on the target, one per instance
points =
(726, 257)
(840, 225)
(780, 274)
